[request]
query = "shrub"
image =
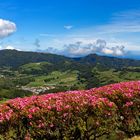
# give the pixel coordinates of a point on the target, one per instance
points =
(126, 96)
(86, 114)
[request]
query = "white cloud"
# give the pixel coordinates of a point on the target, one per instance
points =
(98, 46)
(107, 51)
(85, 47)
(9, 47)
(68, 27)
(6, 28)
(116, 51)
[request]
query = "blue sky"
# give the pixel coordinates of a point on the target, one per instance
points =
(71, 27)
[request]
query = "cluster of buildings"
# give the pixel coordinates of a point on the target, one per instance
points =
(37, 90)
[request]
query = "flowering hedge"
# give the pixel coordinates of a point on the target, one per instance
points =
(86, 114)
(126, 96)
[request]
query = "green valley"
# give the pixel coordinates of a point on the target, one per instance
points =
(48, 73)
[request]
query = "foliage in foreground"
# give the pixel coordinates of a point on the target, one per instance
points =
(86, 114)
(134, 138)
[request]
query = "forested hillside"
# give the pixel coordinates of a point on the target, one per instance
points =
(25, 73)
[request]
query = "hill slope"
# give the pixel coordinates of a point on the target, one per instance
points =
(14, 58)
(77, 114)
(106, 61)
(34, 71)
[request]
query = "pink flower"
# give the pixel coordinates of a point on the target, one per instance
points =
(41, 125)
(129, 104)
(129, 95)
(65, 114)
(49, 107)
(51, 125)
(31, 123)
(67, 106)
(72, 107)
(30, 116)
(111, 104)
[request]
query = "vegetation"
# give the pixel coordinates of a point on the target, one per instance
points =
(107, 112)
(81, 114)
(58, 73)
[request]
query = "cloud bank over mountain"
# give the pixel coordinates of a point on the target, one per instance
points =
(81, 48)
(99, 46)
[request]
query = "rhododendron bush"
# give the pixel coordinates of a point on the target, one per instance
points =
(86, 114)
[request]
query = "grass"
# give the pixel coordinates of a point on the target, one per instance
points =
(112, 76)
(39, 81)
(55, 78)
(3, 100)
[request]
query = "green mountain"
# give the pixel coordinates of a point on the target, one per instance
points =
(14, 58)
(106, 61)
(24, 73)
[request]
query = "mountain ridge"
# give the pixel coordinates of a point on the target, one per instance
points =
(15, 58)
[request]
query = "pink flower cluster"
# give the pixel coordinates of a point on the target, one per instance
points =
(68, 110)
